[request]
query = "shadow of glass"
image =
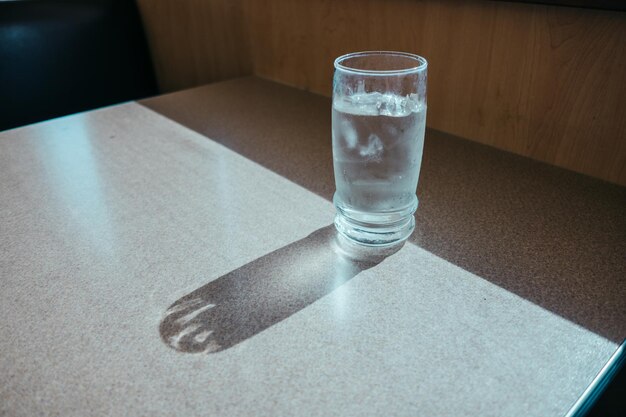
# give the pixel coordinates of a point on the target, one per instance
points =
(248, 300)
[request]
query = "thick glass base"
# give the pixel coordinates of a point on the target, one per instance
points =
(376, 229)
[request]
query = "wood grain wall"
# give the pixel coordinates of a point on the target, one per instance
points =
(546, 82)
(194, 42)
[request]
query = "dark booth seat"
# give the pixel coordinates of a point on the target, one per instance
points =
(62, 57)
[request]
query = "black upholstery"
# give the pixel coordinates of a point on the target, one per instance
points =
(61, 57)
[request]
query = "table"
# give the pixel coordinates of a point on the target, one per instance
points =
(174, 256)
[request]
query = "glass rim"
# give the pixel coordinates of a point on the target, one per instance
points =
(422, 63)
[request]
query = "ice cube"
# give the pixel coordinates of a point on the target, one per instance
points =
(349, 134)
(373, 149)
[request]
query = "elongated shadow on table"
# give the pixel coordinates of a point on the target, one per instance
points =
(248, 300)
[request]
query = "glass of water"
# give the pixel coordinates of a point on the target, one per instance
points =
(378, 123)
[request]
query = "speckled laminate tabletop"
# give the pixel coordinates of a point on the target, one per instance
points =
(175, 257)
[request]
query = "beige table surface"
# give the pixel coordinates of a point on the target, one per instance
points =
(174, 257)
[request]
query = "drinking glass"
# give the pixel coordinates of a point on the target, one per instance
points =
(378, 123)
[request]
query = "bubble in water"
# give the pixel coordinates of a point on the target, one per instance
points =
(391, 130)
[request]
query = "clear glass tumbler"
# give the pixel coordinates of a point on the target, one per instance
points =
(378, 123)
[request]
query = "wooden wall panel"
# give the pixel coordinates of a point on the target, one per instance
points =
(195, 42)
(546, 82)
